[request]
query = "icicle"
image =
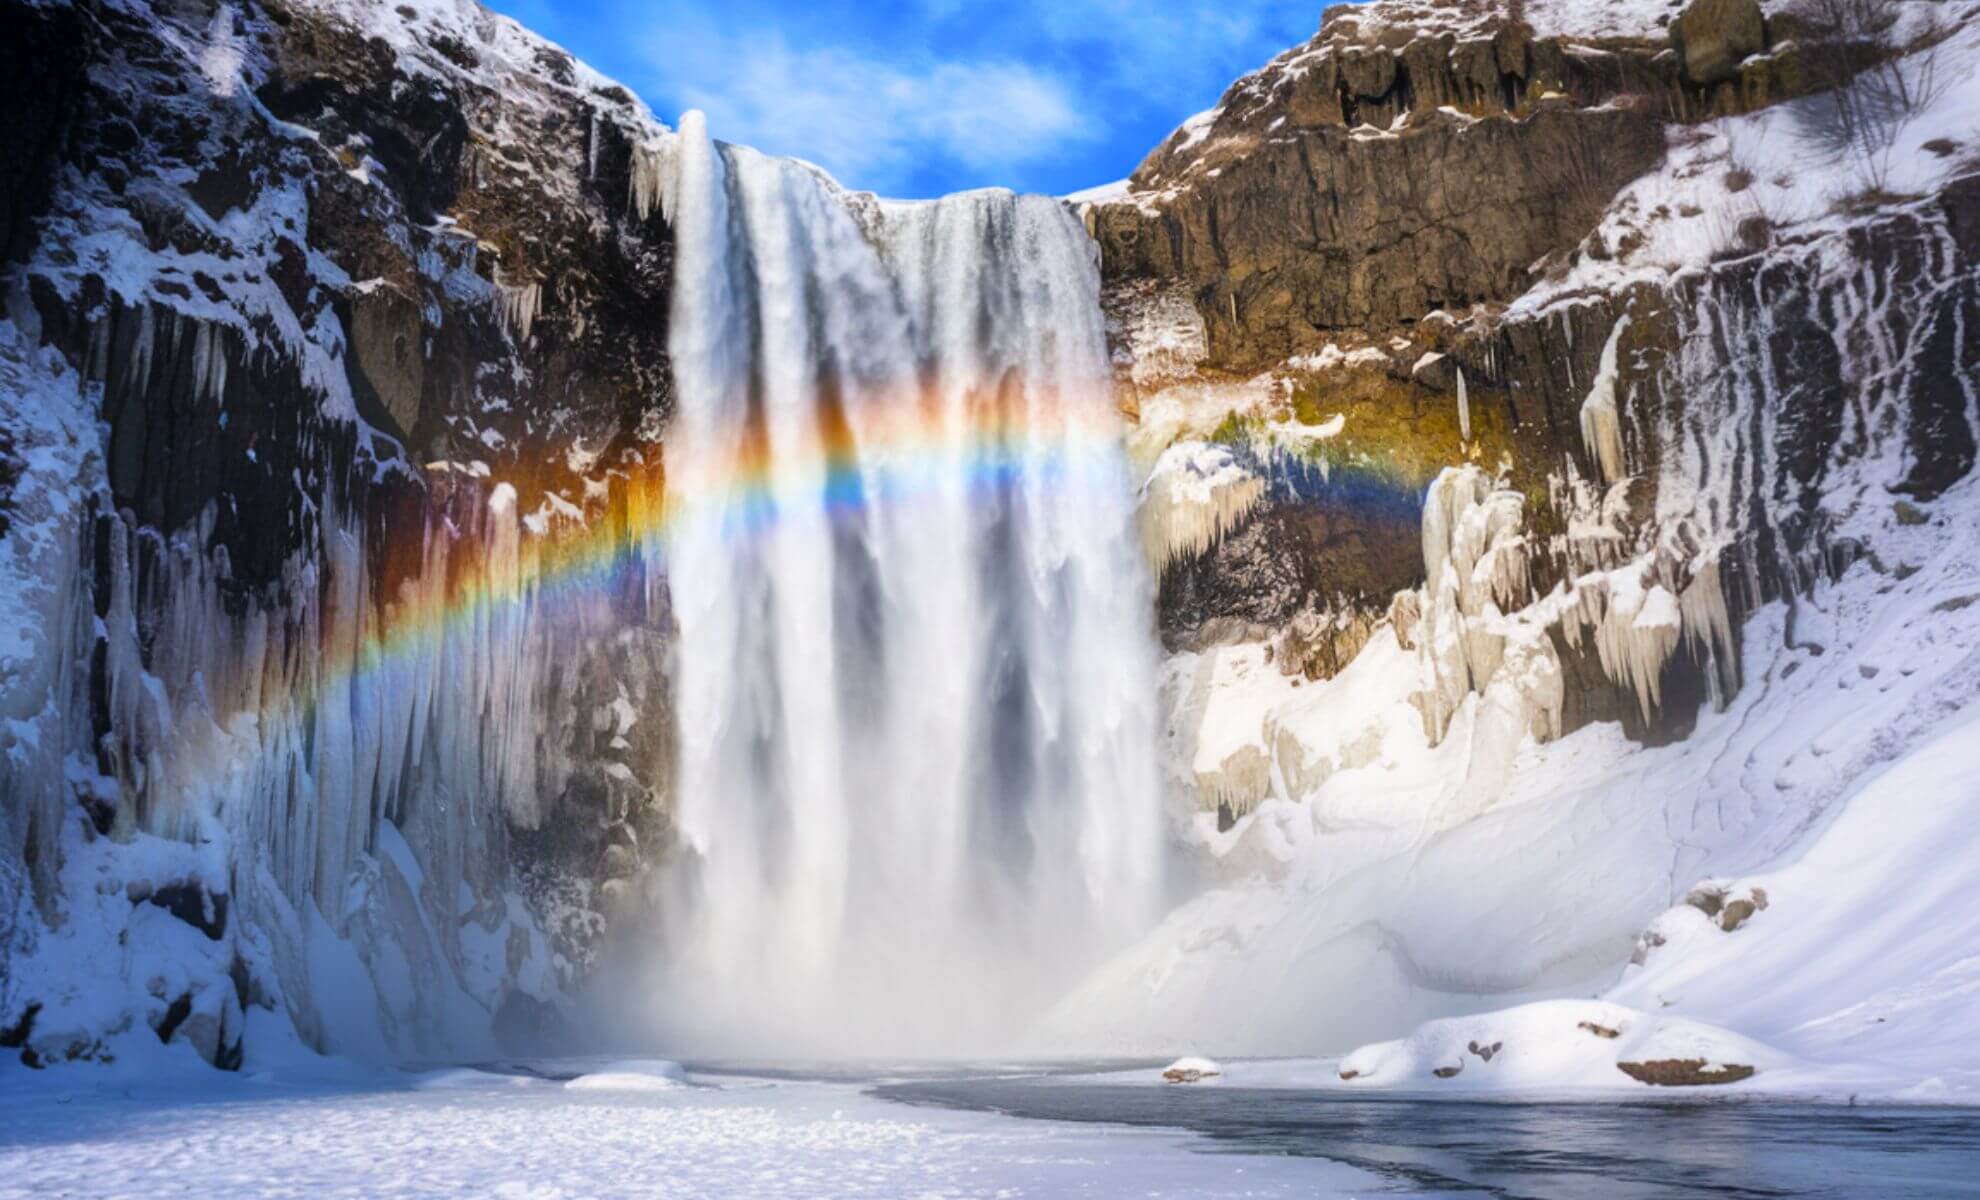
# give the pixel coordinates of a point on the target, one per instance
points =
(137, 379)
(520, 305)
(221, 60)
(1464, 407)
(1708, 626)
(653, 169)
(209, 362)
(1241, 782)
(1451, 494)
(1601, 423)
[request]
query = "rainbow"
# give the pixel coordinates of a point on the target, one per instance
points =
(561, 551)
(479, 561)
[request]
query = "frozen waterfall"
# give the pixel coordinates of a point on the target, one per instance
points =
(918, 786)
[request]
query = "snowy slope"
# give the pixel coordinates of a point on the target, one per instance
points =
(1848, 974)
(1842, 783)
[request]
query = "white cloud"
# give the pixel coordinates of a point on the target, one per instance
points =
(868, 120)
(891, 95)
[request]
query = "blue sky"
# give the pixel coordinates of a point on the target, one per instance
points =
(920, 97)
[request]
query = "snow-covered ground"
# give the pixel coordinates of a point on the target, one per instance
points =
(623, 1130)
(1781, 169)
(1385, 883)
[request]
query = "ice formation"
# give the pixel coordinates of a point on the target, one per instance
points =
(1197, 494)
(331, 772)
(1478, 565)
(1464, 406)
(652, 172)
(916, 680)
(1479, 605)
(1601, 423)
(520, 305)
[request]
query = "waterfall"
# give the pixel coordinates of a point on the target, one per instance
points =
(918, 790)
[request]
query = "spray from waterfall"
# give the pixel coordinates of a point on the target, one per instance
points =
(918, 792)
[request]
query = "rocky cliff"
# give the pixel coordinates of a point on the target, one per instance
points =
(1533, 238)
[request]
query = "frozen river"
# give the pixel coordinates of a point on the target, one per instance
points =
(1603, 1151)
(594, 1129)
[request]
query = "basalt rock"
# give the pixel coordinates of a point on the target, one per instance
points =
(1314, 231)
(1386, 170)
(43, 49)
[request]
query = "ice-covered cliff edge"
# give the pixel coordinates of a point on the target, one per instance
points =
(333, 683)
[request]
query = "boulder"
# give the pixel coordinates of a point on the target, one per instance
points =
(1191, 1070)
(1689, 1072)
(1715, 36)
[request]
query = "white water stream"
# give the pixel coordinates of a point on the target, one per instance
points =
(918, 789)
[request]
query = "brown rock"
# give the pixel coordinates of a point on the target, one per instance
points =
(1707, 900)
(1600, 1031)
(1297, 237)
(1684, 1072)
(1715, 36)
(1736, 914)
(1448, 1072)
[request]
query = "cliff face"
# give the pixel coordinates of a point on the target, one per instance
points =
(1410, 159)
(335, 345)
(1431, 236)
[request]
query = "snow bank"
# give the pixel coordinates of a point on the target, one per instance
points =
(1768, 168)
(1557, 1046)
(632, 1075)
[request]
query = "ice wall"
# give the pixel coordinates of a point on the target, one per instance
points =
(325, 774)
(916, 691)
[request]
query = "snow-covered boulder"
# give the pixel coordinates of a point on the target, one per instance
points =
(1560, 1045)
(1191, 1070)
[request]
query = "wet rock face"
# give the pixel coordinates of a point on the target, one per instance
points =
(1317, 545)
(42, 49)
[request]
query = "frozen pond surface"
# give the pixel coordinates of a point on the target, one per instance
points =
(1622, 1151)
(624, 1130)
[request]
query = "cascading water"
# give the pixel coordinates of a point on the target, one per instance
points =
(916, 686)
